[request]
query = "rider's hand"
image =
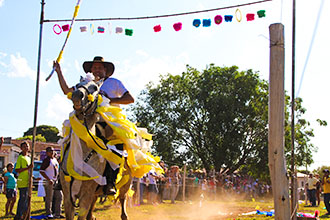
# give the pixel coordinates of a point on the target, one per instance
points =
(57, 66)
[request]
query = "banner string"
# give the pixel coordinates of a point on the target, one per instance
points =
(160, 16)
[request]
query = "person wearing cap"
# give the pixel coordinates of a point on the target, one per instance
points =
(326, 190)
(114, 90)
(49, 170)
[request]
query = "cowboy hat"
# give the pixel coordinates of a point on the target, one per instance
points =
(87, 65)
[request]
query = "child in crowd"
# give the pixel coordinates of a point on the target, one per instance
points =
(10, 189)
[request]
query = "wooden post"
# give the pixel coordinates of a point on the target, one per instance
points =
(277, 165)
(184, 183)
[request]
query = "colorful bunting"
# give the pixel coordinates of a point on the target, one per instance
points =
(92, 28)
(218, 19)
(110, 27)
(83, 29)
(119, 30)
(177, 26)
(59, 27)
(100, 29)
(65, 27)
(228, 18)
(206, 22)
(197, 22)
(261, 13)
(128, 32)
(238, 15)
(157, 28)
(249, 17)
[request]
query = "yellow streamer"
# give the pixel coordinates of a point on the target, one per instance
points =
(81, 131)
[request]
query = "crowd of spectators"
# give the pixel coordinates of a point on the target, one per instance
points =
(210, 185)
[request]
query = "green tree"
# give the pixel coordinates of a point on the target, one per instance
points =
(214, 118)
(47, 131)
(39, 137)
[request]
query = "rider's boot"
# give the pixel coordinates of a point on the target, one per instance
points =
(111, 176)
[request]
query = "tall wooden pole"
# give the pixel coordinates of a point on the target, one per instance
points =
(277, 166)
(28, 213)
(294, 202)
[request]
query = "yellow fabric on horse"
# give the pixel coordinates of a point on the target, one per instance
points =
(125, 132)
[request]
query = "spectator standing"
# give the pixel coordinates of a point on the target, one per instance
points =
(23, 167)
(326, 190)
(311, 189)
(162, 182)
(318, 189)
(152, 187)
(10, 189)
(57, 196)
(1, 142)
(174, 180)
(49, 171)
(142, 187)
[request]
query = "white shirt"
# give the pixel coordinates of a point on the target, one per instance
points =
(114, 88)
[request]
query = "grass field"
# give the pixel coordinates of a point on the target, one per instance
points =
(222, 208)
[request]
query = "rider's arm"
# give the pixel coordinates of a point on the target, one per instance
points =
(127, 98)
(65, 88)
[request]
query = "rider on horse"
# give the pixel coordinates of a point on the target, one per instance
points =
(116, 93)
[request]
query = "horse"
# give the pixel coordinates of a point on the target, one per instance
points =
(86, 190)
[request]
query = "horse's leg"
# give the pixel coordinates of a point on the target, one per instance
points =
(91, 209)
(123, 192)
(123, 207)
(68, 206)
(86, 199)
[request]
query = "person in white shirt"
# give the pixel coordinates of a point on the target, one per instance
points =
(49, 171)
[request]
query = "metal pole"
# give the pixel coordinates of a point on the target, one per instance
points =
(293, 185)
(36, 104)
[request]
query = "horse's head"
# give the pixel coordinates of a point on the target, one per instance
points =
(85, 98)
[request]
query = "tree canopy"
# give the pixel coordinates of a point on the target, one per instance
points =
(50, 133)
(214, 118)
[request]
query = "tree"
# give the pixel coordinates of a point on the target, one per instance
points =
(39, 137)
(49, 132)
(214, 118)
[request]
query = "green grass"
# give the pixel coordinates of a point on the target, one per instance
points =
(223, 208)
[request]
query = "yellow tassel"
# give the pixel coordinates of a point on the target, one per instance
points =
(67, 178)
(69, 95)
(91, 98)
(99, 100)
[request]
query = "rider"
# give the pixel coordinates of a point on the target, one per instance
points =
(113, 89)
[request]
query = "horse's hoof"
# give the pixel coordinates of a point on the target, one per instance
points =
(124, 217)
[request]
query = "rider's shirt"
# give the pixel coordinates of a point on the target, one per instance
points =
(113, 88)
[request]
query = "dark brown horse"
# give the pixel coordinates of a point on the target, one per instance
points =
(84, 100)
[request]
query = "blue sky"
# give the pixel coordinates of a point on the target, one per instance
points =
(145, 55)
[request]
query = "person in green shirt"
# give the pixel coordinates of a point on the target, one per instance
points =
(23, 167)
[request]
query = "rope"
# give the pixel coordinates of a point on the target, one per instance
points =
(310, 46)
(161, 16)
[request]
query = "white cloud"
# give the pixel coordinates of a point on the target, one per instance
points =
(1, 2)
(18, 67)
(136, 76)
(142, 53)
(58, 108)
(77, 65)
